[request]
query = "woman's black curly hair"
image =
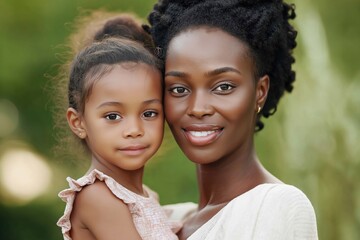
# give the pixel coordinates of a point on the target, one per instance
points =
(262, 24)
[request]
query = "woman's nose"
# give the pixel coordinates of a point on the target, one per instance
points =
(200, 105)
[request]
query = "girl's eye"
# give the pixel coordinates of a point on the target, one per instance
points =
(179, 90)
(113, 116)
(150, 114)
(224, 87)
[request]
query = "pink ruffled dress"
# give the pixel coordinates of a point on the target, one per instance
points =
(149, 217)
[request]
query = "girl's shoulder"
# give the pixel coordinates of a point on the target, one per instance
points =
(95, 194)
(96, 208)
(96, 200)
(91, 197)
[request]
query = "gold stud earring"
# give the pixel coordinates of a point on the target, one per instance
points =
(259, 109)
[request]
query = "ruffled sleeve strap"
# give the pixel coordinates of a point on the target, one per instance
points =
(68, 196)
(75, 186)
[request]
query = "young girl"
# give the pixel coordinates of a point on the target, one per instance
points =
(115, 109)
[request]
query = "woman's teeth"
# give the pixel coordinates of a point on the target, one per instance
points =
(201, 133)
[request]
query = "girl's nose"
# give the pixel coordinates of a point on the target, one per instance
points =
(133, 128)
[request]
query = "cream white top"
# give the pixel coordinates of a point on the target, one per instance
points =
(268, 211)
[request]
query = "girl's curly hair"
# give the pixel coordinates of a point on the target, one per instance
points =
(100, 40)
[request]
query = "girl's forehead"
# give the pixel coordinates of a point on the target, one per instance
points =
(130, 75)
(129, 84)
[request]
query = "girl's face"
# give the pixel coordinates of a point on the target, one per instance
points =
(123, 116)
(211, 96)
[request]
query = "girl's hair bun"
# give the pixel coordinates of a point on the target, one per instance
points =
(125, 26)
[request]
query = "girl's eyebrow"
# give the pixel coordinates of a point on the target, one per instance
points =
(155, 100)
(119, 104)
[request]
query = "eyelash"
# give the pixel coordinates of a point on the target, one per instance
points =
(172, 90)
(219, 90)
(117, 116)
(153, 113)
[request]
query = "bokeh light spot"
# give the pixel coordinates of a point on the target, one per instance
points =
(24, 174)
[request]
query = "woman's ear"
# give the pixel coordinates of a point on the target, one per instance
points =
(75, 123)
(262, 88)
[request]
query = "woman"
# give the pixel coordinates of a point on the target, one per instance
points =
(227, 64)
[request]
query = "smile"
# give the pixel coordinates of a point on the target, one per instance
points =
(133, 150)
(202, 135)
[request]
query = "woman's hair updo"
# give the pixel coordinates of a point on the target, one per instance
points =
(261, 24)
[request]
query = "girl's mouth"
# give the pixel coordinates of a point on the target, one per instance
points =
(133, 150)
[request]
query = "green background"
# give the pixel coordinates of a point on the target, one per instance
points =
(311, 142)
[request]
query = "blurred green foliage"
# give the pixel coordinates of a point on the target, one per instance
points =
(311, 142)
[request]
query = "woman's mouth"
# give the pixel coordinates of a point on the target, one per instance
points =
(202, 135)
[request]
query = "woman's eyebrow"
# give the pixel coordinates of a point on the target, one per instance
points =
(176, 74)
(222, 70)
(214, 72)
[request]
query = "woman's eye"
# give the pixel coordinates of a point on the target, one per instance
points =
(179, 90)
(150, 114)
(113, 116)
(224, 87)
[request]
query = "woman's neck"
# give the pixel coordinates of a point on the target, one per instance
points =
(227, 178)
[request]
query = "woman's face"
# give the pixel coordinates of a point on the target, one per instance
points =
(211, 95)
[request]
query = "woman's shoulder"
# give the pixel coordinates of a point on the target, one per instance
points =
(269, 211)
(286, 197)
(289, 211)
(284, 193)
(273, 192)
(275, 200)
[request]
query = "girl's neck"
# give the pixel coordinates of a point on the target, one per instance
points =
(131, 180)
(230, 177)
